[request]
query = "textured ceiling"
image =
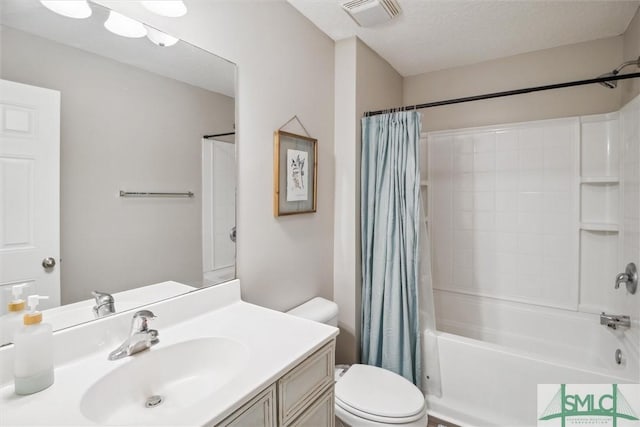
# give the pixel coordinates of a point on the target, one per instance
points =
(432, 35)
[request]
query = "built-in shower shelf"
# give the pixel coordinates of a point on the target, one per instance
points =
(594, 226)
(600, 180)
(424, 183)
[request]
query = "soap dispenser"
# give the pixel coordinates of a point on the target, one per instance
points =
(33, 351)
(11, 321)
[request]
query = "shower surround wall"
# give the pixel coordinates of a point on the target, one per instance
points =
(503, 209)
(630, 180)
(532, 212)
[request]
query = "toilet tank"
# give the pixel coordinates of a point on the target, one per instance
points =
(319, 310)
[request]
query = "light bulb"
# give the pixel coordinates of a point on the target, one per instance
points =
(78, 9)
(160, 38)
(170, 8)
(124, 26)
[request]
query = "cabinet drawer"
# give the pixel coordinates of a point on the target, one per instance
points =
(320, 414)
(259, 411)
(304, 383)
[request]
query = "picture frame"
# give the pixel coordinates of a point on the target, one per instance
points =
(295, 174)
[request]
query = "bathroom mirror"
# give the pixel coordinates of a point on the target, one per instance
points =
(133, 119)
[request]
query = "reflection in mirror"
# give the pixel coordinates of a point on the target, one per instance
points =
(88, 114)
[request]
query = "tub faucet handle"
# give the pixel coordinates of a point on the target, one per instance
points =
(629, 278)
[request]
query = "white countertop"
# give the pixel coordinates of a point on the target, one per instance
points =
(275, 342)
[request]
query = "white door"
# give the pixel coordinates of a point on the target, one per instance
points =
(30, 190)
(218, 211)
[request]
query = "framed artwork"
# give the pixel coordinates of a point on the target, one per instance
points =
(295, 175)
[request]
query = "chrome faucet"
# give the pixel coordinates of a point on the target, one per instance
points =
(614, 321)
(140, 336)
(105, 304)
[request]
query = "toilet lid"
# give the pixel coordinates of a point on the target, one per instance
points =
(380, 393)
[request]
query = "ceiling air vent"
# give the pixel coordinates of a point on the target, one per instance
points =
(368, 13)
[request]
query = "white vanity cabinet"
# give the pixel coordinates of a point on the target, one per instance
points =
(260, 411)
(320, 413)
(303, 396)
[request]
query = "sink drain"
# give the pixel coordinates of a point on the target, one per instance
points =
(153, 401)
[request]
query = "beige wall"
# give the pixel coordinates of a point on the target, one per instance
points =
(345, 255)
(285, 68)
(364, 82)
(121, 128)
(562, 64)
(631, 50)
(378, 84)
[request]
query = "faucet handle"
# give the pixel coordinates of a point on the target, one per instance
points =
(105, 304)
(140, 321)
(102, 297)
(145, 314)
(629, 278)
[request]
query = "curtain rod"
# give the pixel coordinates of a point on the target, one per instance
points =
(505, 93)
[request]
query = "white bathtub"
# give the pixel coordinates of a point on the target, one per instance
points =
(494, 353)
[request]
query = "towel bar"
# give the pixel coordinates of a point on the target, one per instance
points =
(150, 194)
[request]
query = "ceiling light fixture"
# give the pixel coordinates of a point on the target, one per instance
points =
(78, 9)
(169, 8)
(124, 26)
(160, 38)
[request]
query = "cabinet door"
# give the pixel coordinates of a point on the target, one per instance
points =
(303, 384)
(259, 412)
(320, 413)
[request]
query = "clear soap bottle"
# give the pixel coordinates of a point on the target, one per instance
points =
(11, 321)
(33, 351)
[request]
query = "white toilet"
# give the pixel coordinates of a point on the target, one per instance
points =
(368, 395)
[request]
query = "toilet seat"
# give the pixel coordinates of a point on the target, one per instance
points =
(379, 419)
(379, 395)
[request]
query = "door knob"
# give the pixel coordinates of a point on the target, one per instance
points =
(48, 263)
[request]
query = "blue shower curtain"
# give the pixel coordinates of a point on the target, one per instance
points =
(390, 225)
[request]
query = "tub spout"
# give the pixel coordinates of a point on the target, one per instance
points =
(614, 321)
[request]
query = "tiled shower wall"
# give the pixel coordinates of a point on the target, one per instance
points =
(503, 211)
(543, 213)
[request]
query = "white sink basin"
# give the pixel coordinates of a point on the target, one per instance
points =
(155, 385)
